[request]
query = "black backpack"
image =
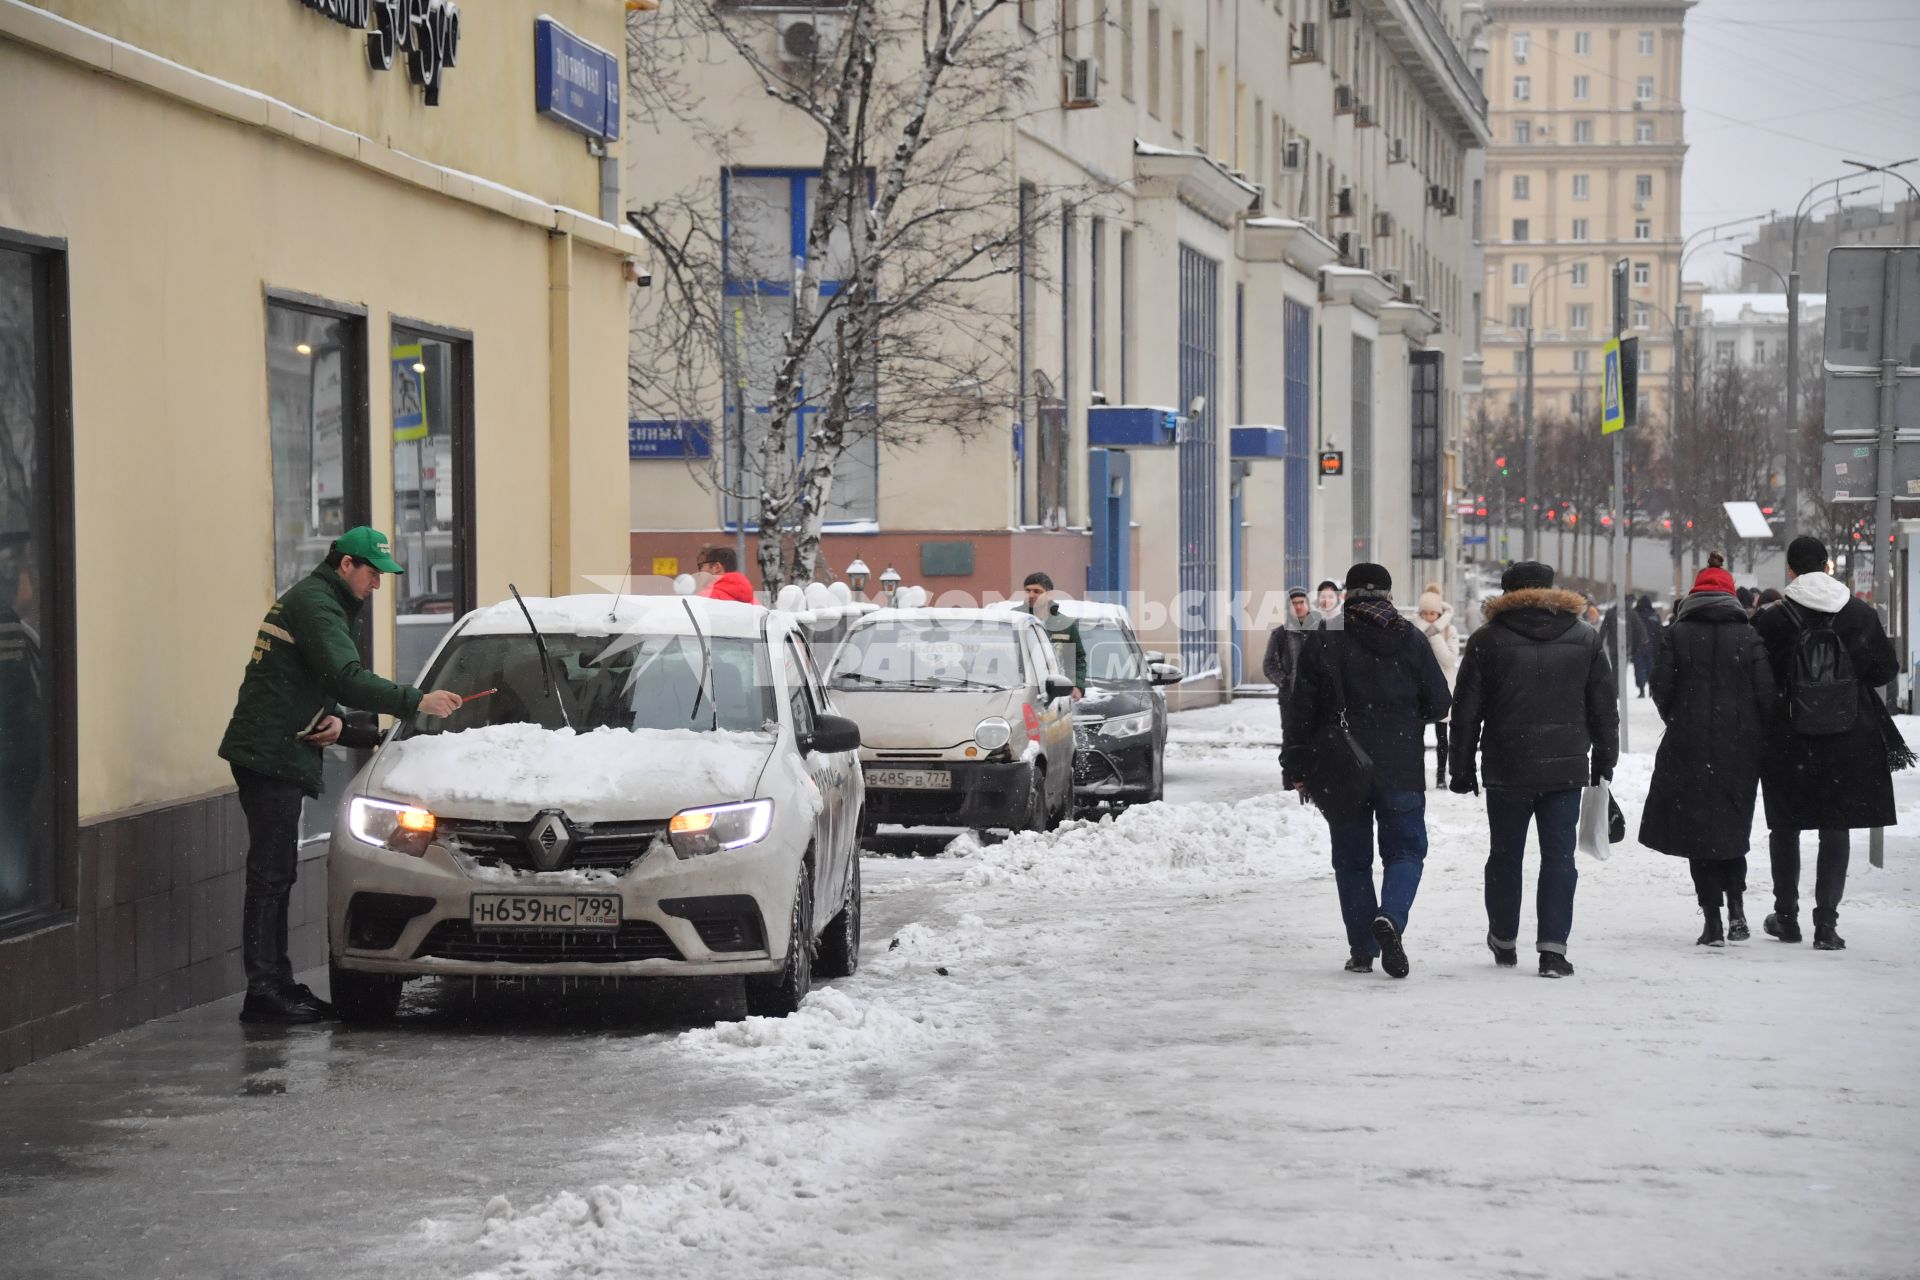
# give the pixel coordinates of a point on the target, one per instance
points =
(1823, 697)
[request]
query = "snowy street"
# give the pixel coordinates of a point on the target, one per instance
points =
(1123, 1048)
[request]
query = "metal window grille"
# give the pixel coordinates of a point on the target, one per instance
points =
(1199, 456)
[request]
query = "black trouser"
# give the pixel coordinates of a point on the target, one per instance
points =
(1715, 879)
(1829, 877)
(272, 807)
(1440, 749)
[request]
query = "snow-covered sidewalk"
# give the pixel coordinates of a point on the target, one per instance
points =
(1129, 1048)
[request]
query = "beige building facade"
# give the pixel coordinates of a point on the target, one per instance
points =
(1585, 168)
(1278, 253)
(255, 289)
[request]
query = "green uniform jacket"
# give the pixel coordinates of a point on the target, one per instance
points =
(1068, 647)
(305, 665)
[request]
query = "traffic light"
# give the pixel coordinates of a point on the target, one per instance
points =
(1501, 462)
(1552, 513)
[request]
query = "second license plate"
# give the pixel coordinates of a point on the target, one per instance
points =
(545, 911)
(911, 779)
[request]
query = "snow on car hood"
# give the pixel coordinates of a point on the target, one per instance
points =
(510, 771)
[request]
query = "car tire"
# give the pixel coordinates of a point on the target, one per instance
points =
(775, 995)
(363, 997)
(840, 944)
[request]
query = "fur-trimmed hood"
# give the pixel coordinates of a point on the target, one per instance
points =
(1552, 599)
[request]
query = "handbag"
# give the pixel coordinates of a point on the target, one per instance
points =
(1340, 777)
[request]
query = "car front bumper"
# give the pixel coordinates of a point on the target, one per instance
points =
(721, 914)
(1107, 768)
(981, 795)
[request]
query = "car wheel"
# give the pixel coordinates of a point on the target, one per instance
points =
(363, 997)
(840, 944)
(775, 995)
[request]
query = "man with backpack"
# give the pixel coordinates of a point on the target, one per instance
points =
(1832, 750)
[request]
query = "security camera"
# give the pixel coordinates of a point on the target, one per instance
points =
(634, 273)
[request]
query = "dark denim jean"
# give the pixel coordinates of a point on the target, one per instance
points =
(1557, 816)
(1402, 819)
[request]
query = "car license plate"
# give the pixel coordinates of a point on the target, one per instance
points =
(911, 779)
(546, 911)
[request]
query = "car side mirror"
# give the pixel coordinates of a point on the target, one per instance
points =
(1165, 673)
(831, 734)
(1154, 657)
(1059, 687)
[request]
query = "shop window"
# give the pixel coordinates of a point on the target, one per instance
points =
(317, 423)
(768, 213)
(37, 764)
(432, 406)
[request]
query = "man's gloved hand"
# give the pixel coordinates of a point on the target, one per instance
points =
(1463, 784)
(1599, 776)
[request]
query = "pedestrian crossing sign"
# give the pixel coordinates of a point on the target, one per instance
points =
(1613, 415)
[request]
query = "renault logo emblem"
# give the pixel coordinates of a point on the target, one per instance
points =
(547, 841)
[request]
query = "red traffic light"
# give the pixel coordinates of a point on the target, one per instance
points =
(1482, 511)
(1606, 522)
(1551, 513)
(1666, 524)
(1500, 461)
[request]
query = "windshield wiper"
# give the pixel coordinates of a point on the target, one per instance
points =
(962, 682)
(546, 658)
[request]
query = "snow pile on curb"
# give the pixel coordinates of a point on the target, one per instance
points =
(1184, 843)
(832, 1032)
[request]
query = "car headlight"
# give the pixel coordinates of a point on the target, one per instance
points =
(1126, 726)
(721, 826)
(992, 734)
(402, 828)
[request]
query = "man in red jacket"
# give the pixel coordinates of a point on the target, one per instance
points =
(728, 582)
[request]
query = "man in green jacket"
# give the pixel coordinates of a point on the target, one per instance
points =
(1062, 629)
(305, 667)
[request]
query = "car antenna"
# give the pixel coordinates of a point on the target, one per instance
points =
(613, 614)
(706, 669)
(546, 658)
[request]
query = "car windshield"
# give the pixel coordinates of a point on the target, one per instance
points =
(930, 654)
(1112, 656)
(632, 681)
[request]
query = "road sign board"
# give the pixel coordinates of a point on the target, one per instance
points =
(1859, 279)
(1848, 470)
(1613, 414)
(1474, 540)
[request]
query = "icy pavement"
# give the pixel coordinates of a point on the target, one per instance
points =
(1120, 1049)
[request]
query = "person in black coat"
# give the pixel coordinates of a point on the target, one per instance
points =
(1714, 689)
(1384, 671)
(1649, 636)
(1284, 644)
(1830, 784)
(1536, 684)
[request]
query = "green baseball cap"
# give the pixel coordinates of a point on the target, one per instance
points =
(368, 545)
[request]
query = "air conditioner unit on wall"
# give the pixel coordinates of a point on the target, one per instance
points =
(808, 38)
(1083, 84)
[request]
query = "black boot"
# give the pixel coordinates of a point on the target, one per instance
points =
(1359, 962)
(1393, 955)
(287, 1006)
(1785, 928)
(1713, 935)
(1555, 965)
(1505, 957)
(1826, 937)
(1737, 930)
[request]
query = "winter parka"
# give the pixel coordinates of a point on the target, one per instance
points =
(1071, 651)
(1536, 684)
(1283, 652)
(1392, 687)
(1843, 781)
(1445, 639)
(305, 666)
(1714, 689)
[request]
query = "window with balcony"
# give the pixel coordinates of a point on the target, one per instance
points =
(1522, 89)
(1520, 230)
(1583, 131)
(1582, 186)
(1579, 228)
(1582, 88)
(1522, 186)
(1643, 273)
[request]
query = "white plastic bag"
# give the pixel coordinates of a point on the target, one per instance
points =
(1593, 822)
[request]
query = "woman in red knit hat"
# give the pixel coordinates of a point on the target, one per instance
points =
(1715, 690)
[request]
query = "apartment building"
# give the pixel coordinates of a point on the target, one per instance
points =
(1750, 329)
(1584, 170)
(1773, 248)
(1279, 264)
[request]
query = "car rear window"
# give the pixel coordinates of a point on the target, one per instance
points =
(632, 681)
(929, 655)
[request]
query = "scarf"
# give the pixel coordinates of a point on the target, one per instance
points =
(1375, 611)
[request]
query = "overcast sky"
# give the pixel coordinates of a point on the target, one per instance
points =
(1777, 91)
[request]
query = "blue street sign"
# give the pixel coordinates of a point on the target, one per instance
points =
(575, 83)
(647, 440)
(1474, 540)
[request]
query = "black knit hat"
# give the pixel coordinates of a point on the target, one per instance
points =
(1527, 575)
(1367, 576)
(1807, 554)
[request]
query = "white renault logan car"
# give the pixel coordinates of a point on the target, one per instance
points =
(651, 787)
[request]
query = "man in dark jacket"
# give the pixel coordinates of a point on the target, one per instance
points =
(1062, 629)
(1383, 671)
(1284, 644)
(1536, 683)
(1828, 783)
(305, 667)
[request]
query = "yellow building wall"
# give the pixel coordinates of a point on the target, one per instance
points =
(176, 223)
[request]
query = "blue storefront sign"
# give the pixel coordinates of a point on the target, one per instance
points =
(575, 83)
(1474, 540)
(648, 439)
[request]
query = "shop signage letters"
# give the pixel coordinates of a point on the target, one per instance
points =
(426, 31)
